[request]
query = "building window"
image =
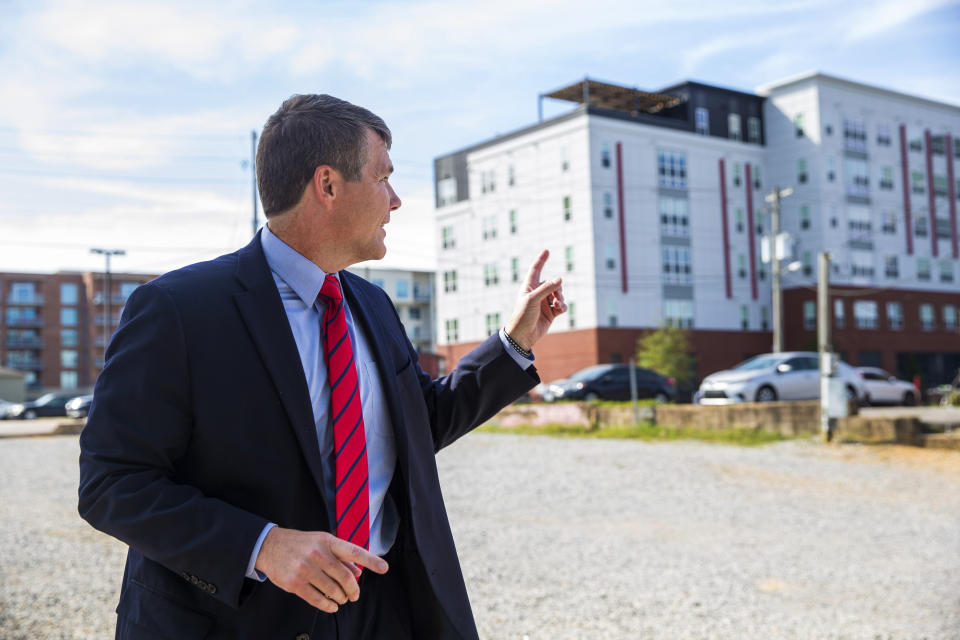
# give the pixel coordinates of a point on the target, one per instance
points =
(807, 263)
(916, 144)
(761, 271)
(678, 313)
(739, 218)
(744, 317)
(403, 289)
(447, 191)
(858, 177)
(564, 161)
(865, 314)
(493, 323)
(672, 169)
(809, 315)
(804, 217)
(489, 227)
(68, 358)
(801, 170)
(883, 135)
(513, 221)
(568, 254)
(490, 274)
(886, 178)
(946, 270)
(891, 268)
(742, 266)
(949, 317)
(567, 208)
(69, 337)
(605, 155)
(68, 293)
(611, 313)
(414, 313)
(673, 217)
(702, 119)
(940, 186)
(831, 169)
(447, 239)
(611, 261)
(764, 318)
(859, 221)
(733, 127)
(607, 205)
(571, 315)
(928, 321)
(450, 281)
(889, 221)
(839, 319)
(827, 125)
(756, 177)
(920, 226)
(68, 380)
(916, 182)
(861, 263)
(515, 269)
(676, 265)
(753, 129)
(511, 176)
(894, 315)
(68, 317)
(736, 174)
(452, 331)
(854, 135)
(798, 125)
(923, 269)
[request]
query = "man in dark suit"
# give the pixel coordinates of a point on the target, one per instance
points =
(262, 435)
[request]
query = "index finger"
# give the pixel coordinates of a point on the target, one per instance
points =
(533, 276)
(346, 551)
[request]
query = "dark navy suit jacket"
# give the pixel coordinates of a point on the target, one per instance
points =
(201, 432)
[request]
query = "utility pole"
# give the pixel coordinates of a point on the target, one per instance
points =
(107, 320)
(253, 176)
(777, 294)
(824, 348)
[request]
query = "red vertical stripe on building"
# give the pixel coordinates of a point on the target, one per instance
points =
(752, 234)
(726, 232)
(934, 240)
(623, 224)
(904, 166)
(951, 194)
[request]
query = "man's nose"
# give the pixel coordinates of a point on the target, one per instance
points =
(394, 200)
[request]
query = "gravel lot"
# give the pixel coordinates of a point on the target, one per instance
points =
(595, 539)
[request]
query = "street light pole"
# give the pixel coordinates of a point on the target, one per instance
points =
(107, 320)
(824, 348)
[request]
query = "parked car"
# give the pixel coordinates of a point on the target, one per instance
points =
(51, 404)
(883, 388)
(79, 406)
(610, 382)
(793, 375)
(5, 409)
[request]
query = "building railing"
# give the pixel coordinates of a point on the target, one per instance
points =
(24, 322)
(24, 365)
(15, 342)
(25, 301)
(99, 298)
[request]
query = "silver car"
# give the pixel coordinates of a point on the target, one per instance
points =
(793, 375)
(883, 388)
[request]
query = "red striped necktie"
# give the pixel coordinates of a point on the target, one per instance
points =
(352, 495)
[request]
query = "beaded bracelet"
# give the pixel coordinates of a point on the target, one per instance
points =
(517, 347)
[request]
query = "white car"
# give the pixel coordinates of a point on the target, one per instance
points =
(792, 375)
(883, 388)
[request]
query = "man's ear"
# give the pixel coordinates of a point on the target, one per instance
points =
(323, 181)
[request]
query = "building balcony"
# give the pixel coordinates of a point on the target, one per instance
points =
(24, 365)
(25, 301)
(115, 299)
(14, 342)
(24, 322)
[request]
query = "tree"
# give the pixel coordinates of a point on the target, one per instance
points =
(666, 352)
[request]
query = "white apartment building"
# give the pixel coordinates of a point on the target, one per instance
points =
(412, 295)
(652, 206)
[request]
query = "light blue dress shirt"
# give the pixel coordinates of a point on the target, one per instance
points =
(299, 280)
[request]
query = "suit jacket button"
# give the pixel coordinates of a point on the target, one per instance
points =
(303, 636)
(213, 589)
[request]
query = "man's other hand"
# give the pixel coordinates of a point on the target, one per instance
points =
(539, 303)
(315, 565)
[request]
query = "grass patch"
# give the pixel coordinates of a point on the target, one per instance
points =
(645, 431)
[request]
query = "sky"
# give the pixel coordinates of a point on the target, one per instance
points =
(127, 125)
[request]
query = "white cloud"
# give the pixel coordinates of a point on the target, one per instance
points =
(885, 16)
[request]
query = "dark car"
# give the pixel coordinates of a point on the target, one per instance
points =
(51, 404)
(79, 406)
(611, 382)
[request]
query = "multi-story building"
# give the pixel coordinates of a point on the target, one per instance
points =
(53, 325)
(412, 295)
(653, 208)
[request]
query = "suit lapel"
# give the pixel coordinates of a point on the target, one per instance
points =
(365, 311)
(262, 311)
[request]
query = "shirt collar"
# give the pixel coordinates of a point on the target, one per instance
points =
(303, 276)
